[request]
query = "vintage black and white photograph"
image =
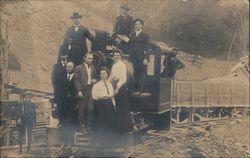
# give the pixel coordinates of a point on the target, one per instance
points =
(124, 78)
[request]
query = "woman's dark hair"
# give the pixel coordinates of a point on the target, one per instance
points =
(103, 68)
(116, 50)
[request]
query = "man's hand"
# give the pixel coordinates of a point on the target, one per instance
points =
(80, 94)
(145, 61)
(93, 81)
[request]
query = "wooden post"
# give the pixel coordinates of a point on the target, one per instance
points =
(191, 114)
(245, 111)
(8, 137)
(220, 110)
(177, 117)
(206, 113)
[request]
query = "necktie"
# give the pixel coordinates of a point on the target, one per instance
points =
(106, 86)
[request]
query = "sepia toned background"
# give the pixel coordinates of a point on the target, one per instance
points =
(217, 30)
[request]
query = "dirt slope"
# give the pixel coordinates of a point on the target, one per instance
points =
(36, 30)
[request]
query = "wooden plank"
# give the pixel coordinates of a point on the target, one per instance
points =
(199, 116)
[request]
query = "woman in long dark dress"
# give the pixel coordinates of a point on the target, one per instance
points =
(118, 78)
(104, 105)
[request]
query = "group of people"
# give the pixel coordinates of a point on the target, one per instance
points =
(83, 101)
(97, 100)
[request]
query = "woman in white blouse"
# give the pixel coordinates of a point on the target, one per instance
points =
(118, 78)
(104, 106)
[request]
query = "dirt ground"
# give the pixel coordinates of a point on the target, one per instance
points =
(228, 140)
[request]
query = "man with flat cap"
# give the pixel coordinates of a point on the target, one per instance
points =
(26, 119)
(76, 36)
(139, 55)
(124, 22)
(123, 28)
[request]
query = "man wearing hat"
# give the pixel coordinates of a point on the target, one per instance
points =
(26, 119)
(76, 36)
(123, 27)
(124, 22)
(140, 45)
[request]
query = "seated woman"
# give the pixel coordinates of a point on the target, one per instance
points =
(118, 78)
(103, 116)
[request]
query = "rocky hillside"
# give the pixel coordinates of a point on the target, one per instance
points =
(36, 30)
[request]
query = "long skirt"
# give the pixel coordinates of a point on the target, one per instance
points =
(123, 122)
(103, 123)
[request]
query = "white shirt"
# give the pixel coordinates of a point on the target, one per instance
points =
(99, 91)
(63, 63)
(69, 47)
(88, 72)
(137, 32)
(70, 76)
(76, 28)
(118, 72)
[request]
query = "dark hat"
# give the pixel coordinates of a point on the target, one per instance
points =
(140, 20)
(116, 50)
(125, 6)
(27, 93)
(75, 15)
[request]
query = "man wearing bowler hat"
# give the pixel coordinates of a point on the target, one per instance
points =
(77, 35)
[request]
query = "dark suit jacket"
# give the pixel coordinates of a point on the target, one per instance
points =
(69, 100)
(78, 38)
(74, 54)
(123, 26)
(58, 79)
(81, 77)
(27, 112)
(139, 46)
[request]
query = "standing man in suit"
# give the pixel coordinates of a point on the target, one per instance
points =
(68, 114)
(58, 80)
(123, 27)
(139, 56)
(83, 81)
(76, 36)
